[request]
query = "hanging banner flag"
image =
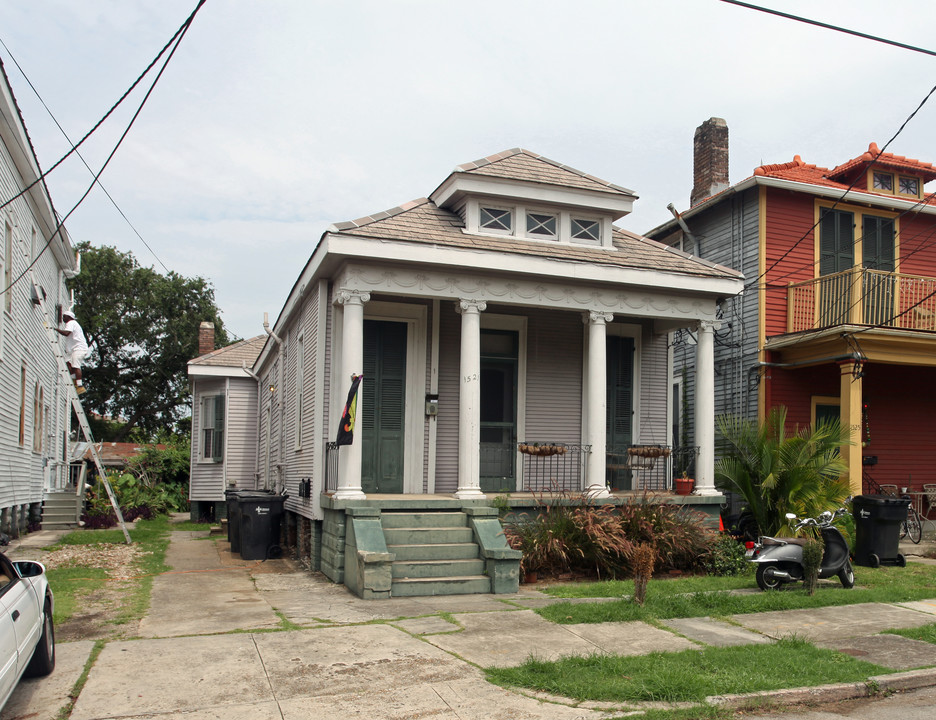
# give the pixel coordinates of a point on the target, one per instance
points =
(346, 429)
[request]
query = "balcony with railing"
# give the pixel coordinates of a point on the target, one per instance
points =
(861, 296)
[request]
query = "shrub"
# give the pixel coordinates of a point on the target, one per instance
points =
(576, 534)
(725, 556)
(812, 561)
(642, 558)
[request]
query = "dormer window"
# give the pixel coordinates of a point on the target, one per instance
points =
(541, 225)
(883, 182)
(585, 230)
(909, 186)
(496, 219)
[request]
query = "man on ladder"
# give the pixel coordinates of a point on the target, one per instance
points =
(76, 348)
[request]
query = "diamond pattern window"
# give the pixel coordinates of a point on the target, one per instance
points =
(586, 230)
(541, 225)
(496, 219)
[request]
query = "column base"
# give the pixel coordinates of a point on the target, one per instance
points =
(349, 494)
(597, 491)
(470, 494)
(706, 491)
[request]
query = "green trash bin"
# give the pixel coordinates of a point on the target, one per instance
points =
(261, 515)
(877, 529)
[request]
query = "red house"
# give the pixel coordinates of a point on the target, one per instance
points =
(838, 315)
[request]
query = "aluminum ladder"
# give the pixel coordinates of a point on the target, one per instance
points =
(53, 335)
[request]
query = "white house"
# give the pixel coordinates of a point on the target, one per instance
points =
(34, 409)
(503, 313)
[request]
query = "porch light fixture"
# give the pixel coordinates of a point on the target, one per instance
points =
(272, 388)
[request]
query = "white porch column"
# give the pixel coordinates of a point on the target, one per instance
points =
(469, 400)
(705, 409)
(596, 398)
(352, 363)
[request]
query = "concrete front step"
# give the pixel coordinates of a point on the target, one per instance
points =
(438, 551)
(464, 585)
(423, 519)
(437, 568)
(427, 535)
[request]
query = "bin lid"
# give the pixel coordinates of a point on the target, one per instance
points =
(880, 500)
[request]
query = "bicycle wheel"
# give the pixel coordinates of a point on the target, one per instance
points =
(914, 526)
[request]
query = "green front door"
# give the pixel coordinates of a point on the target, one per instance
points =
(620, 409)
(498, 411)
(383, 411)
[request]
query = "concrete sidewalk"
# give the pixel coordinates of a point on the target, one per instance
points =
(394, 659)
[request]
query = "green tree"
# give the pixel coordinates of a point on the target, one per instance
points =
(776, 473)
(142, 329)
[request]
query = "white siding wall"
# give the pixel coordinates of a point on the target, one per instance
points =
(654, 377)
(240, 452)
(24, 343)
(206, 479)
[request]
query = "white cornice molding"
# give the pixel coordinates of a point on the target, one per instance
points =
(216, 371)
(557, 269)
(428, 282)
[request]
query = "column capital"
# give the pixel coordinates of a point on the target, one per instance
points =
(594, 317)
(344, 296)
(709, 325)
(463, 305)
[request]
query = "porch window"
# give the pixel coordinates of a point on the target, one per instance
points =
(212, 425)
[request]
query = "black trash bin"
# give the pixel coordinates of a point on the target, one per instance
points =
(877, 529)
(260, 517)
(233, 518)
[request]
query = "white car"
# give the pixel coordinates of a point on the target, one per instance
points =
(27, 638)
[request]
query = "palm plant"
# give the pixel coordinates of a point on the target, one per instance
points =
(776, 473)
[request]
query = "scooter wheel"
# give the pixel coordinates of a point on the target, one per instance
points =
(901, 560)
(874, 561)
(847, 575)
(765, 577)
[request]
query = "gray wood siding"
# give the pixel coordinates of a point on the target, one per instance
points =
(447, 432)
(554, 377)
(240, 452)
(654, 378)
(24, 343)
(301, 446)
(729, 236)
(206, 479)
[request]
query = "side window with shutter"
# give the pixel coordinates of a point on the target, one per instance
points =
(212, 424)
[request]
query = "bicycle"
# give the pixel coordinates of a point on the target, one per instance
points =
(912, 526)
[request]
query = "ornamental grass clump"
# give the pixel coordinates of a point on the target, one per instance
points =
(812, 561)
(580, 535)
(642, 558)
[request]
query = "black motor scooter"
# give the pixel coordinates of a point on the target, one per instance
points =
(780, 560)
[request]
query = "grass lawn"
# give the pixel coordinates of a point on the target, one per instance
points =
(690, 675)
(713, 596)
(926, 633)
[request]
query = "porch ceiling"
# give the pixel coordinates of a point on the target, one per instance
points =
(878, 345)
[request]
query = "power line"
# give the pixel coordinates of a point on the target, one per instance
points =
(182, 29)
(827, 26)
(80, 156)
(177, 40)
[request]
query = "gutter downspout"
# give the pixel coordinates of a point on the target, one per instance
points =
(685, 229)
(280, 388)
(256, 377)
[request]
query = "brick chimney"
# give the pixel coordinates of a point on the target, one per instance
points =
(206, 340)
(709, 159)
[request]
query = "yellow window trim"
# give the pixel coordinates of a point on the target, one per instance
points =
(822, 400)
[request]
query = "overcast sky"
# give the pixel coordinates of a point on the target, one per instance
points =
(277, 118)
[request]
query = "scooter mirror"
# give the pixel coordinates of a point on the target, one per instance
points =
(790, 516)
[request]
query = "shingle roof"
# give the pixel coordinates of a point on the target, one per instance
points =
(520, 164)
(422, 221)
(235, 355)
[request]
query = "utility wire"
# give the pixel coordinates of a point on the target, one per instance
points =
(184, 27)
(827, 26)
(80, 156)
(177, 39)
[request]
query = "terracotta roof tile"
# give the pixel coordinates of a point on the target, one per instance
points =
(427, 223)
(520, 164)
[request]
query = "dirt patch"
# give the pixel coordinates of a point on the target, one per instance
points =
(99, 611)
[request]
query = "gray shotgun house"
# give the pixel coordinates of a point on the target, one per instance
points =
(512, 342)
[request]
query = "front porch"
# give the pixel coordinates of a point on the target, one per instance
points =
(400, 545)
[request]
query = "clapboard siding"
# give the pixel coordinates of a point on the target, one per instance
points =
(554, 377)
(240, 452)
(24, 343)
(654, 376)
(206, 478)
(447, 419)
